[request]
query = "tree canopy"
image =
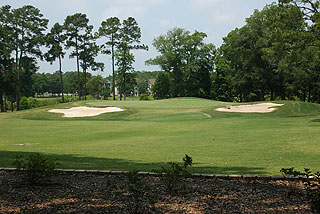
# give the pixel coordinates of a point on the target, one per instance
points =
(275, 55)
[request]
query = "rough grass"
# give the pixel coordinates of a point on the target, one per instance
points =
(150, 133)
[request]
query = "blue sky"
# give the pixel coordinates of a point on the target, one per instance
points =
(216, 18)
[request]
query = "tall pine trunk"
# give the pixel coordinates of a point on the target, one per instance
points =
(113, 74)
(5, 103)
(1, 100)
(78, 69)
(11, 102)
(61, 79)
(84, 80)
(262, 95)
(18, 80)
(309, 94)
(122, 84)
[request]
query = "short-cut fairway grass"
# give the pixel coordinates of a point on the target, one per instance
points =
(150, 133)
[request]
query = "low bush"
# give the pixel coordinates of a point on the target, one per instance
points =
(144, 97)
(48, 102)
(173, 172)
(140, 194)
(36, 168)
(311, 183)
(89, 97)
(24, 103)
(32, 102)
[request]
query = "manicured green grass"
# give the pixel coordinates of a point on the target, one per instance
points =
(150, 133)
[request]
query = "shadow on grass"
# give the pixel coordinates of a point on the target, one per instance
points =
(79, 162)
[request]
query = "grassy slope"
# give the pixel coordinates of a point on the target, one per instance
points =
(151, 133)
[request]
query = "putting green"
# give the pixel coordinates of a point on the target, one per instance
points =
(150, 133)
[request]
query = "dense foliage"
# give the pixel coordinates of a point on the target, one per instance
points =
(275, 55)
(188, 60)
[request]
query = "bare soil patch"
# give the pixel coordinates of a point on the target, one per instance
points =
(84, 111)
(254, 108)
(92, 193)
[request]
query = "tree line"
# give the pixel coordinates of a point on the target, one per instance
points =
(275, 55)
(23, 37)
(47, 84)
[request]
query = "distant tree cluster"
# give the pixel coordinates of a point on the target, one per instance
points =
(23, 38)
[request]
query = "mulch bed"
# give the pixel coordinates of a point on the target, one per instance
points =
(94, 193)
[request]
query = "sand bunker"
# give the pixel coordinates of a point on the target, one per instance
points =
(254, 108)
(84, 111)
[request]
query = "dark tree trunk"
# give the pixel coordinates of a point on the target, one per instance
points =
(11, 102)
(122, 84)
(1, 100)
(18, 80)
(262, 95)
(61, 79)
(84, 80)
(309, 94)
(283, 96)
(78, 69)
(272, 95)
(5, 103)
(113, 75)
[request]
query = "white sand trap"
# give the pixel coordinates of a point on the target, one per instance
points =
(254, 108)
(84, 111)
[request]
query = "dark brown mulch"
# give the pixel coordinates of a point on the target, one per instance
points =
(89, 193)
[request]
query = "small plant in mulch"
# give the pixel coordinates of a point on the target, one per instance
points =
(35, 169)
(139, 193)
(312, 185)
(173, 172)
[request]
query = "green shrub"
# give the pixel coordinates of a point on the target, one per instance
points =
(32, 102)
(144, 97)
(311, 183)
(89, 97)
(173, 172)
(35, 168)
(139, 193)
(48, 102)
(70, 99)
(24, 103)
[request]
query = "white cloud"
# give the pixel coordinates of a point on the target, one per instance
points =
(167, 24)
(73, 5)
(225, 18)
(203, 5)
(139, 2)
(124, 12)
